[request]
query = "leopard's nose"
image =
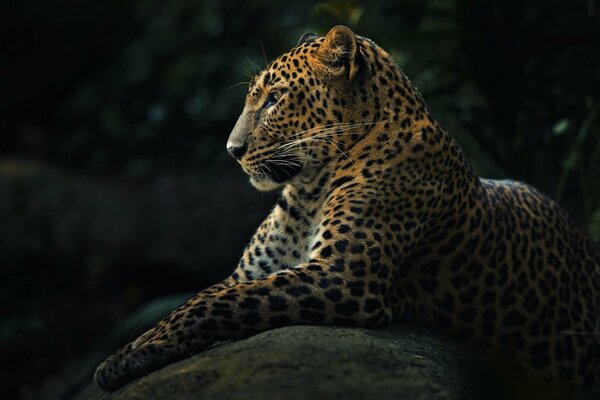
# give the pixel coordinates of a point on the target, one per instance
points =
(237, 152)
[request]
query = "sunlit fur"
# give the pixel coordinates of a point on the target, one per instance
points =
(381, 218)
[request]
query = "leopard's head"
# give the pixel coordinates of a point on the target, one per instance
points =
(306, 108)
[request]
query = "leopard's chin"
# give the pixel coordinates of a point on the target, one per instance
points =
(264, 185)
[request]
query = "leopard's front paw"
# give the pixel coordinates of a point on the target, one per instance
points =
(110, 374)
(131, 363)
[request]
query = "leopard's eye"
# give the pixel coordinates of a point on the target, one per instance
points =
(272, 98)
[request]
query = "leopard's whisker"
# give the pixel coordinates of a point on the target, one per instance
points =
(238, 84)
(334, 126)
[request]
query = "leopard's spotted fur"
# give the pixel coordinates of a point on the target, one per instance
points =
(381, 218)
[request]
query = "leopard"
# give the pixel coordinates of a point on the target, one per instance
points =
(380, 218)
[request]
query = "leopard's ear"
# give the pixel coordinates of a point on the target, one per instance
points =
(340, 53)
(307, 37)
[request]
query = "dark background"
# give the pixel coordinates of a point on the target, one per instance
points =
(115, 187)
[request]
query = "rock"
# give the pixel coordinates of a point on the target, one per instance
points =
(402, 361)
(88, 249)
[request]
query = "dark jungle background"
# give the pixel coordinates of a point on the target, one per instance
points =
(115, 187)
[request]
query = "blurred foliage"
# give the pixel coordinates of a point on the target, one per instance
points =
(123, 92)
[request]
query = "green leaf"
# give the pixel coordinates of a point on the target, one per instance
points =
(594, 226)
(561, 126)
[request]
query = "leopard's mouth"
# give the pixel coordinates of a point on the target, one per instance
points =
(282, 169)
(274, 172)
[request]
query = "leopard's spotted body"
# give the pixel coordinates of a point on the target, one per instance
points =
(381, 218)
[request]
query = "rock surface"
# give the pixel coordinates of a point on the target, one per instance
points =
(402, 361)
